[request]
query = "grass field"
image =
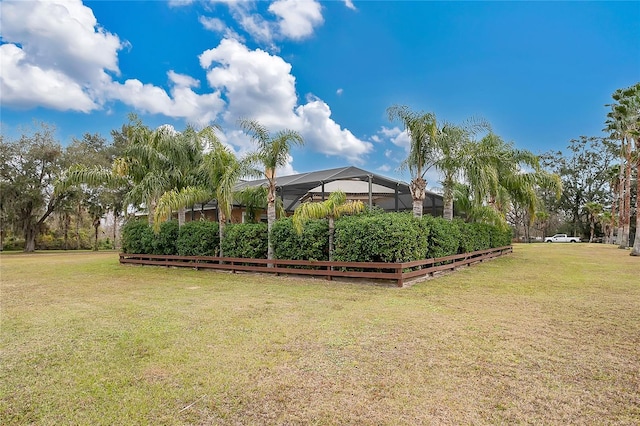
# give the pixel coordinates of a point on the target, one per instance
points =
(547, 335)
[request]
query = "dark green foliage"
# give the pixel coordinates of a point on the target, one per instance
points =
(443, 238)
(388, 237)
(198, 238)
(313, 244)
(246, 240)
(165, 241)
(501, 237)
(474, 236)
(137, 237)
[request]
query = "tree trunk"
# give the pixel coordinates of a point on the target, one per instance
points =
(67, 222)
(636, 241)
(271, 218)
(181, 216)
(151, 207)
(29, 238)
(96, 227)
(620, 205)
(115, 228)
(78, 218)
(592, 228)
(221, 221)
(271, 213)
(331, 232)
(418, 189)
(624, 243)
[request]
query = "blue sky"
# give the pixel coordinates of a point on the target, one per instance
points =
(539, 72)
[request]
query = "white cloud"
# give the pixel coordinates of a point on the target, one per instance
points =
(180, 3)
(260, 85)
(349, 4)
(297, 18)
(256, 84)
(213, 24)
(57, 56)
(339, 92)
(26, 85)
(56, 47)
(294, 20)
(388, 153)
(402, 140)
(384, 168)
(183, 102)
(325, 135)
(394, 135)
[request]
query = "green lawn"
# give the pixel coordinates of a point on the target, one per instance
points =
(547, 335)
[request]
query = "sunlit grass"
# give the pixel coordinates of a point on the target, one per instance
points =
(547, 335)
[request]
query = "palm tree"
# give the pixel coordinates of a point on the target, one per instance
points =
(623, 122)
(218, 174)
(153, 162)
(503, 176)
(608, 220)
(273, 152)
(594, 210)
(332, 208)
(454, 147)
(422, 130)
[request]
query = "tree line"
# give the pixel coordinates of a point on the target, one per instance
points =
(588, 191)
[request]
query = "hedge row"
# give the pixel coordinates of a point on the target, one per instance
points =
(370, 237)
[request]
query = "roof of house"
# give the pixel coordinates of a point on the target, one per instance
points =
(294, 187)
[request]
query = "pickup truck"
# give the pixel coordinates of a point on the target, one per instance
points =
(561, 238)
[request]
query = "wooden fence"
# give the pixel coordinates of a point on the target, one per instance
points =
(398, 272)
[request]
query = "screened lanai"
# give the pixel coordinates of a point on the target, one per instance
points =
(373, 189)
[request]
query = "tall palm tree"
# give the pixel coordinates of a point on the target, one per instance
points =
(594, 210)
(273, 152)
(454, 148)
(503, 176)
(332, 208)
(623, 122)
(422, 130)
(153, 162)
(218, 174)
(608, 220)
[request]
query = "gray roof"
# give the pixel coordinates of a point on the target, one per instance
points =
(294, 187)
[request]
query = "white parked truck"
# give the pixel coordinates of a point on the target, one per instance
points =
(561, 238)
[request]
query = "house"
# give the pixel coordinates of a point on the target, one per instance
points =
(373, 189)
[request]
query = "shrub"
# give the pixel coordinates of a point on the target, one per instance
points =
(313, 244)
(388, 237)
(165, 240)
(198, 238)
(500, 237)
(246, 240)
(474, 236)
(443, 238)
(137, 237)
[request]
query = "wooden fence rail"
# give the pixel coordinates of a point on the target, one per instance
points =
(398, 272)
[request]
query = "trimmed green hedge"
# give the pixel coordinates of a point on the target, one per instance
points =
(165, 240)
(368, 237)
(198, 238)
(388, 237)
(247, 240)
(444, 237)
(313, 244)
(137, 237)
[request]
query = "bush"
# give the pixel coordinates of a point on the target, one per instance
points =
(500, 237)
(443, 238)
(387, 237)
(246, 240)
(313, 244)
(137, 237)
(474, 236)
(198, 238)
(165, 239)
